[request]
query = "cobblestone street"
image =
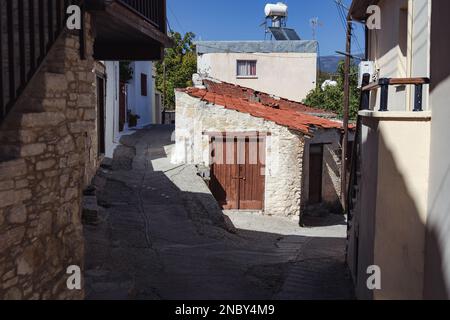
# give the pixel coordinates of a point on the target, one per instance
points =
(161, 235)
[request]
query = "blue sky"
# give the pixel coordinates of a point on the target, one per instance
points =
(240, 20)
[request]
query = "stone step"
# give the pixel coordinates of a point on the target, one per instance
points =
(50, 85)
(90, 210)
(8, 152)
(12, 168)
(18, 121)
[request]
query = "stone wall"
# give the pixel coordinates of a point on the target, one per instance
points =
(284, 149)
(48, 154)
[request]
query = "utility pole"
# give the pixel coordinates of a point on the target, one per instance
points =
(164, 84)
(346, 105)
(164, 93)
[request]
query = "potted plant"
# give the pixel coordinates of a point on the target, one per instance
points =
(132, 119)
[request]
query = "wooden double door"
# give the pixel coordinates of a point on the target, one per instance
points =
(238, 172)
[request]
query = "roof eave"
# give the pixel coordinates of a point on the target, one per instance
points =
(358, 9)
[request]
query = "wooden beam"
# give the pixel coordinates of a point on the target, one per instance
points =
(358, 9)
(128, 17)
(127, 51)
(250, 134)
(408, 81)
(371, 86)
(397, 82)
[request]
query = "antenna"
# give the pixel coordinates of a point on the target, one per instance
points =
(265, 26)
(315, 24)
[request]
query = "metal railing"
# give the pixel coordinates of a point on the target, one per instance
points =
(353, 191)
(28, 30)
(384, 84)
(152, 10)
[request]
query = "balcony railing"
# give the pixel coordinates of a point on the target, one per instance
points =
(153, 11)
(384, 84)
(28, 30)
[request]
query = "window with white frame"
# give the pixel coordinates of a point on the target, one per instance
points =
(246, 68)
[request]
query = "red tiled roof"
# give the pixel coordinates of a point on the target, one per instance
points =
(264, 98)
(293, 115)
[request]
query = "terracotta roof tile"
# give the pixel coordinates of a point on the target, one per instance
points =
(232, 90)
(293, 115)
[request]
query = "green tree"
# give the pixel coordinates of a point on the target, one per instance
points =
(180, 63)
(332, 98)
(126, 72)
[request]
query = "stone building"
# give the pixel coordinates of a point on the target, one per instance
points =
(52, 105)
(264, 153)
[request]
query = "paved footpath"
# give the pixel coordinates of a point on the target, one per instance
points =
(162, 236)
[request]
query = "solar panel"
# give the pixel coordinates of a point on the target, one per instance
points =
(291, 34)
(278, 34)
(283, 34)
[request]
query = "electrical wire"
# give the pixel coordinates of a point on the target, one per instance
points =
(176, 19)
(342, 13)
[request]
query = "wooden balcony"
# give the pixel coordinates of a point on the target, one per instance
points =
(153, 11)
(129, 29)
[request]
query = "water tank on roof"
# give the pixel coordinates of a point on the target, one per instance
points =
(276, 10)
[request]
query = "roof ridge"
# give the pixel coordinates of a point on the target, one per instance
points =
(271, 96)
(289, 118)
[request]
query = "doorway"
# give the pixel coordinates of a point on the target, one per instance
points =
(315, 173)
(238, 172)
(122, 106)
(101, 114)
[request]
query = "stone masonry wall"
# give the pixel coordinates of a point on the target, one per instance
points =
(48, 154)
(284, 149)
(331, 170)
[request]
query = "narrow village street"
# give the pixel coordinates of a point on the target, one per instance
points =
(161, 235)
(158, 150)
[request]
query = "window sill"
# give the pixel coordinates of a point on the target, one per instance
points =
(246, 77)
(396, 115)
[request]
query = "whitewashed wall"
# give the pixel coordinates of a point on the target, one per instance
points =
(112, 107)
(287, 75)
(138, 104)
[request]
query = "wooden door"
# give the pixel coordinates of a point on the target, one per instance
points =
(315, 173)
(238, 178)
